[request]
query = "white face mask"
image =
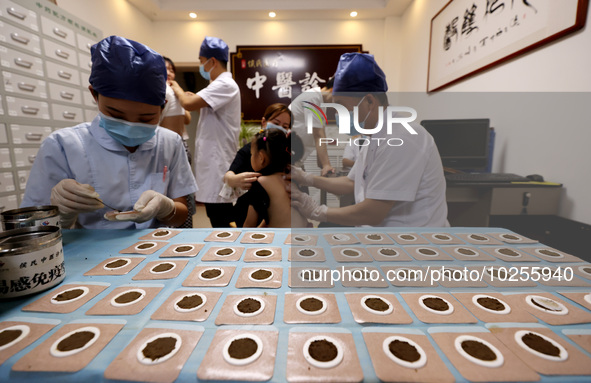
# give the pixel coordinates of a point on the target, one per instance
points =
(205, 74)
(130, 134)
(271, 125)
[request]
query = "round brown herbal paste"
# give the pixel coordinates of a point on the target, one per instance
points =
(242, 348)
(323, 350)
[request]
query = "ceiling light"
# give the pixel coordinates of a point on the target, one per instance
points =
(193, 15)
(272, 14)
(353, 14)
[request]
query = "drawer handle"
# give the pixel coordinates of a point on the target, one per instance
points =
(31, 158)
(34, 136)
(29, 110)
(90, 64)
(65, 75)
(22, 179)
(69, 115)
(88, 45)
(13, 12)
(60, 33)
(62, 54)
(26, 87)
(66, 95)
(19, 39)
(20, 62)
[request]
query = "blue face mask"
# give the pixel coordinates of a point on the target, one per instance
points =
(127, 133)
(352, 129)
(205, 74)
(271, 125)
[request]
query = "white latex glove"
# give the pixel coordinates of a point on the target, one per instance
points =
(72, 198)
(150, 205)
(307, 206)
(301, 177)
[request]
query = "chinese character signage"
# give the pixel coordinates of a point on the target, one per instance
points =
(270, 74)
(468, 36)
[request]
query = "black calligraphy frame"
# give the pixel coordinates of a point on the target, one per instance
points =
(579, 7)
(322, 59)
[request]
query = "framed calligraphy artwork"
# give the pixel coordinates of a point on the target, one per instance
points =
(279, 73)
(469, 36)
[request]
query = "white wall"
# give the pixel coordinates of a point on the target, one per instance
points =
(527, 144)
(551, 140)
(393, 53)
(112, 17)
(181, 40)
(560, 66)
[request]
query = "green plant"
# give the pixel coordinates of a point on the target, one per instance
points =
(247, 131)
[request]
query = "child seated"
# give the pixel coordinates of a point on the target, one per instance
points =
(269, 202)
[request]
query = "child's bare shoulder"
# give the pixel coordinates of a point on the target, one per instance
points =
(270, 182)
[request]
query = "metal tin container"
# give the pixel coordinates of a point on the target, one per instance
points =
(31, 260)
(30, 216)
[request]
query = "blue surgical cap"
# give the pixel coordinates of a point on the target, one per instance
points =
(359, 72)
(126, 69)
(214, 47)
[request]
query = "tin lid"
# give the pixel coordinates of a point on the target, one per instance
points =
(32, 212)
(27, 239)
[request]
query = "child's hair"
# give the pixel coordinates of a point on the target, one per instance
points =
(280, 149)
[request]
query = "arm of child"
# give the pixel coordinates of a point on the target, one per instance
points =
(322, 153)
(347, 163)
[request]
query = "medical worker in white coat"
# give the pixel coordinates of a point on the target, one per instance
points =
(122, 160)
(218, 128)
(394, 186)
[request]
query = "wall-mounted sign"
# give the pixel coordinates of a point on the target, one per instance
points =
(469, 36)
(279, 73)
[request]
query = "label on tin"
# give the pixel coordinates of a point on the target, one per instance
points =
(12, 220)
(29, 273)
(49, 221)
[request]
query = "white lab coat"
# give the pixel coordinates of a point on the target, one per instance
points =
(410, 174)
(217, 136)
(88, 154)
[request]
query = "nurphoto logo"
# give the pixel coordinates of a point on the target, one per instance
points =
(347, 121)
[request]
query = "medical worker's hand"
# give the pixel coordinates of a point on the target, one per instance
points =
(301, 177)
(72, 198)
(307, 206)
(242, 180)
(150, 205)
(175, 86)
